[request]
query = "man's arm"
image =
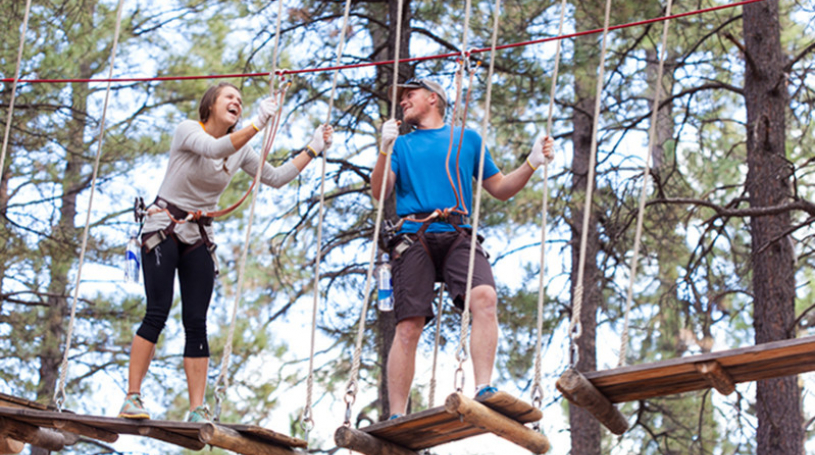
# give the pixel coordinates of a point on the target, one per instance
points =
(390, 131)
(503, 187)
(378, 176)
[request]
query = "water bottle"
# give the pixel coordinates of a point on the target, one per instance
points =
(133, 260)
(384, 285)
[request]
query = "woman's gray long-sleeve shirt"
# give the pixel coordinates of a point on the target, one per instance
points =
(200, 169)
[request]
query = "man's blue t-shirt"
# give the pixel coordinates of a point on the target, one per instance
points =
(422, 184)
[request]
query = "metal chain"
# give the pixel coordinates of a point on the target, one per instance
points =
(59, 394)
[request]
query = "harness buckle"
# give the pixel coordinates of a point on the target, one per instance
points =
(139, 210)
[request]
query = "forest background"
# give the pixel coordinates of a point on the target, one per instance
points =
(726, 258)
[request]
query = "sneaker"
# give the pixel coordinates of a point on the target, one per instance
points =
(395, 416)
(486, 392)
(200, 414)
(133, 408)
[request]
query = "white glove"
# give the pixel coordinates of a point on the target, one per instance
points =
(390, 131)
(543, 151)
(321, 139)
(267, 109)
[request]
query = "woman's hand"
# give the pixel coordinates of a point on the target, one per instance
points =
(322, 139)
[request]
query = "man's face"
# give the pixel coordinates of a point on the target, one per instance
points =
(416, 104)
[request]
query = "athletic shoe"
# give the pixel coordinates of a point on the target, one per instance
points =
(486, 392)
(200, 414)
(395, 416)
(133, 408)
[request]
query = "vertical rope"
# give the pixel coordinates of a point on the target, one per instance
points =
(59, 395)
(537, 389)
(352, 387)
(574, 328)
(14, 89)
(222, 383)
(645, 173)
(465, 317)
(432, 398)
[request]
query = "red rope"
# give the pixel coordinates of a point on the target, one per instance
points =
(385, 62)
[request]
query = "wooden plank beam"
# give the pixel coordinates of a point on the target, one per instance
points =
(716, 376)
(229, 439)
(362, 442)
(478, 415)
(36, 436)
(577, 389)
(10, 446)
(173, 438)
(86, 430)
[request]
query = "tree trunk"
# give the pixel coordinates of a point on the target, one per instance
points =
(778, 401)
(585, 430)
(61, 247)
(386, 324)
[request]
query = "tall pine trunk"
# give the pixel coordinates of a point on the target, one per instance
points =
(778, 401)
(585, 430)
(386, 324)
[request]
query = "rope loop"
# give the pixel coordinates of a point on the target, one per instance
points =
(351, 392)
(461, 354)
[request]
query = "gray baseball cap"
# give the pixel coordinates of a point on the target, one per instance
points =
(426, 84)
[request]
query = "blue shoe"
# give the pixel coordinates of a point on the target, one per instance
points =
(486, 392)
(133, 408)
(200, 414)
(395, 416)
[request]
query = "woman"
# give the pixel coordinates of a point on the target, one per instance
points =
(204, 156)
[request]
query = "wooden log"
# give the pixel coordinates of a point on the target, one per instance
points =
(86, 430)
(577, 389)
(36, 436)
(716, 376)
(478, 415)
(10, 446)
(512, 407)
(229, 439)
(362, 442)
(173, 438)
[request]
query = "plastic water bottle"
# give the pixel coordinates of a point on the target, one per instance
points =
(133, 260)
(384, 285)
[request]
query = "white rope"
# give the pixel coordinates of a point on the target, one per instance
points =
(465, 319)
(59, 395)
(14, 89)
(432, 395)
(352, 387)
(461, 351)
(577, 307)
(641, 209)
(222, 383)
(537, 389)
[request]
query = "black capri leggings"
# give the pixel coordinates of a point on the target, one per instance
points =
(196, 277)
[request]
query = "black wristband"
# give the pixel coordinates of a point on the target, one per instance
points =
(310, 152)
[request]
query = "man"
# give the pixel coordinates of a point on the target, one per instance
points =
(438, 249)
